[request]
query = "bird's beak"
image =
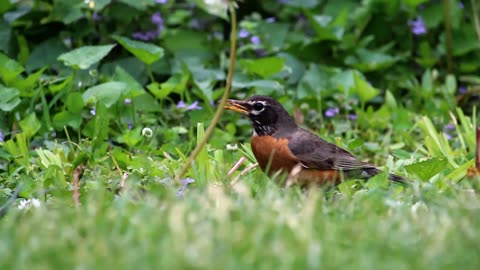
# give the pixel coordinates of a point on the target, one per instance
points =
(236, 106)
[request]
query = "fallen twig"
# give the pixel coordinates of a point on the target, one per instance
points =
(76, 176)
(242, 173)
(236, 166)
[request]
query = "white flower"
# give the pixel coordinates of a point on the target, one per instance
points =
(26, 204)
(232, 147)
(147, 132)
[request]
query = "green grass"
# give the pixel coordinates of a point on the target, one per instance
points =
(264, 228)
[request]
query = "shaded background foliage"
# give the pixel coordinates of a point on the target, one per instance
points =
(348, 68)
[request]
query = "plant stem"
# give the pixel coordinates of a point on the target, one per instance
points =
(226, 94)
(448, 34)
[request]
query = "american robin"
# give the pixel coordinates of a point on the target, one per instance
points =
(279, 145)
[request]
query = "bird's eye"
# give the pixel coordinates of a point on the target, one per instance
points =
(258, 106)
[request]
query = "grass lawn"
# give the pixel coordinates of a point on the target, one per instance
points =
(382, 227)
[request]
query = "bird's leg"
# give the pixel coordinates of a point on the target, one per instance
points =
(293, 175)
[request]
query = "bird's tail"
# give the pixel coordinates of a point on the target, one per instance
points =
(398, 178)
(374, 171)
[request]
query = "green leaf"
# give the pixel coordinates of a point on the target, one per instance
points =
(45, 54)
(84, 57)
(131, 137)
(27, 85)
(66, 118)
(101, 124)
(366, 60)
(428, 168)
(139, 4)
(321, 25)
(205, 79)
(107, 93)
(147, 53)
(216, 8)
(30, 125)
(265, 67)
(302, 3)
(314, 80)
(364, 90)
(10, 98)
(9, 68)
(75, 103)
(175, 84)
(134, 88)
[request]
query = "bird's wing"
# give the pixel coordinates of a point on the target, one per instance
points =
(315, 153)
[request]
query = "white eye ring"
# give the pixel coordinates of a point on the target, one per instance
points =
(260, 106)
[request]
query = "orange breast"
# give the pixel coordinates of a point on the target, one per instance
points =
(273, 155)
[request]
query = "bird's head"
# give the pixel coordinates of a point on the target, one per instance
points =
(265, 113)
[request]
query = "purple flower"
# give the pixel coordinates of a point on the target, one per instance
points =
(1, 136)
(194, 106)
(243, 33)
(352, 117)
(449, 137)
(462, 89)
(418, 26)
(130, 125)
(181, 104)
(449, 127)
(127, 101)
(157, 19)
(139, 36)
(96, 16)
(185, 183)
(331, 112)
(460, 5)
(270, 20)
(93, 112)
(255, 40)
(145, 36)
(161, 1)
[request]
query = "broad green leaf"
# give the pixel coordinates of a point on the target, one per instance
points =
(30, 125)
(175, 84)
(45, 54)
(27, 85)
(366, 60)
(215, 7)
(147, 53)
(314, 80)
(66, 118)
(265, 67)
(364, 90)
(139, 4)
(413, 3)
(107, 93)
(9, 68)
(428, 168)
(302, 3)
(134, 88)
(5, 33)
(321, 25)
(75, 103)
(205, 79)
(131, 137)
(263, 84)
(84, 57)
(10, 98)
